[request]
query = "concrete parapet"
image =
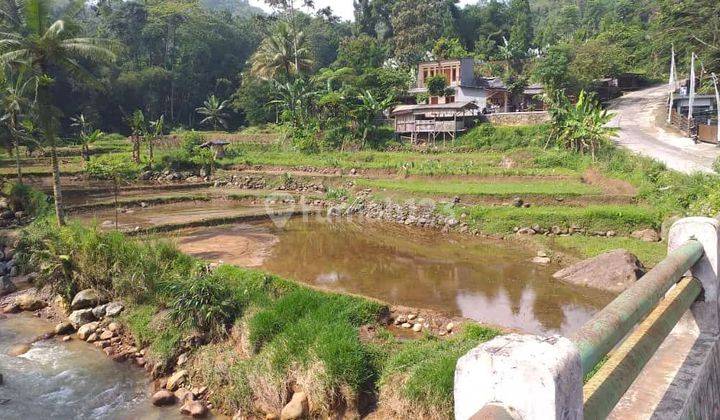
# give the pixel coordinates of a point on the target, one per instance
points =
(535, 377)
(706, 231)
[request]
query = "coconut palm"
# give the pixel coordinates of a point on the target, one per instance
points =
(281, 54)
(16, 102)
(215, 112)
(46, 45)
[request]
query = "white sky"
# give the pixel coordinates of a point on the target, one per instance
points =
(342, 8)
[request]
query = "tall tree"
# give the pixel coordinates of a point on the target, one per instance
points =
(50, 47)
(215, 112)
(417, 24)
(521, 31)
(281, 55)
(16, 101)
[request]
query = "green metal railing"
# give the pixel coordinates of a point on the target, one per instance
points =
(647, 300)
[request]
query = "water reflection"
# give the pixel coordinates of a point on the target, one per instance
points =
(490, 281)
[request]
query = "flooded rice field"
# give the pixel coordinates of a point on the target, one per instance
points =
(490, 281)
(67, 380)
(183, 212)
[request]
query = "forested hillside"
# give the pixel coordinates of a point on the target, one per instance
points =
(174, 54)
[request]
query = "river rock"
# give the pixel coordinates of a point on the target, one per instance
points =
(613, 271)
(297, 407)
(183, 394)
(417, 327)
(162, 398)
(194, 409)
(81, 317)
(99, 311)
(541, 260)
(18, 349)
(85, 330)
(176, 379)
(106, 335)
(6, 286)
(87, 298)
(113, 309)
(646, 235)
(64, 328)
(29, 302)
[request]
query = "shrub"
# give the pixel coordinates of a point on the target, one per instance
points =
(204, 302)
(22, 197)
(417, 380)
(487, 136)
(112, 167)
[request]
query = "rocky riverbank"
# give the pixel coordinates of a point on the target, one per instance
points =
(90, 318)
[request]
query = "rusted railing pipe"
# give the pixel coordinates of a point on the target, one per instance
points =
(599, 335)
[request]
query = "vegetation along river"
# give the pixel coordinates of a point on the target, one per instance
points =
(490, 281)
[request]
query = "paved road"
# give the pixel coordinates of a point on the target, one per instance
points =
(641, 118)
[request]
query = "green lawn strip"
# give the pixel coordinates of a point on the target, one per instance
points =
(420, 374)
(415, 163)
(502, 219)
(495, 187)
(650, 253)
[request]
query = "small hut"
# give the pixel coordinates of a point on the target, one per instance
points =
(428, 121)
(217, 147)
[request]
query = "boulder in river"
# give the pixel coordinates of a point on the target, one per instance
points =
(29, 302)
(163, 397)
(87, 298)
(81, 317)
(6, 286)
(64, 328)
(612, 271)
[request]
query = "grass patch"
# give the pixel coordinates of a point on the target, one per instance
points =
(621, 218)
(537, 187)
(650, 253)
(417, 379)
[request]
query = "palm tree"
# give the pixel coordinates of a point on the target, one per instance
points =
(214, 111)
(281, 54)
(15, 103)
(34, 38)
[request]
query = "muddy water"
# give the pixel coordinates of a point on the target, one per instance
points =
(68, 380)
(489, 281)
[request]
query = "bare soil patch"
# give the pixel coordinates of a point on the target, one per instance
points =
(609, 185)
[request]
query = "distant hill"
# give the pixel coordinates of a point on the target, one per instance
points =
(236, 7)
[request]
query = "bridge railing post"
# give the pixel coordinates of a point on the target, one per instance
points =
(706, 310)
(535, 377)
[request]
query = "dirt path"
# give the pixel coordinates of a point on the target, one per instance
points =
(640, 117)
